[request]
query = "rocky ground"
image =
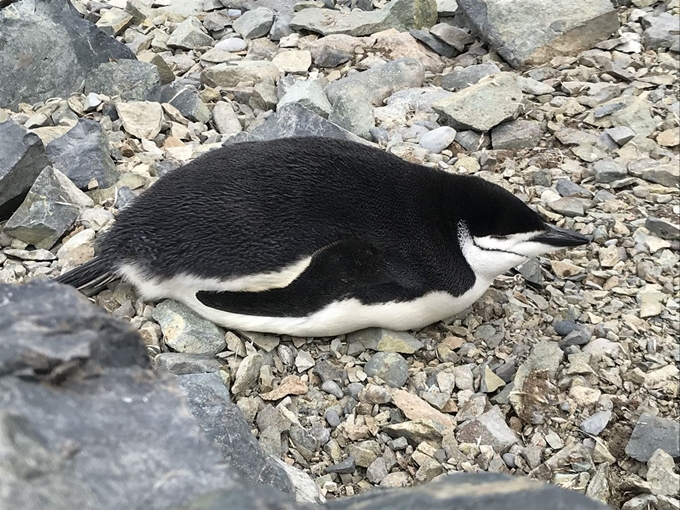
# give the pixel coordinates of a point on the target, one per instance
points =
(564, 372)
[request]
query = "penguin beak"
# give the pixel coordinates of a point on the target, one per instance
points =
(560, 237)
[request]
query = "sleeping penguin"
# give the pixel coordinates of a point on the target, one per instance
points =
(318, 237)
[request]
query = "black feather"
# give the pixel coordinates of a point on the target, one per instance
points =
(89, 278)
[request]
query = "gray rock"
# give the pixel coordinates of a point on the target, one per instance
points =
(185, 331)
(132, 80)
(230, 74)
(482, 106)
(376, 471)
(457, 37)
(567, 188)
(608, 171)
(571, 26)
(354, 114)
(379, 82)
(662, 228)
(472, 141)
(22, 158)
(187, 101)
(516, 134)
(225, 119)
(434, 43)
(180, 363)
(294, 120)
(142, 119)
(579, 336)
(189, 35)
(232, 44)
(568, 206)
(310, 94)
(534, 87)
(347, 466)
(82, 154)
(399, 14)
(661, 31)
(52, 205)
(247, 373)
(332, 388)
(254, 24)
(490, 429)
(652, 433)
(661, 474)
(462, 78)
(390, 367)
(225, 426)
(596, 423)
(49, 49)
(531, 271)
(620, 134)
(438, 139)
(666, 175)
(281, 27)
(334, 50)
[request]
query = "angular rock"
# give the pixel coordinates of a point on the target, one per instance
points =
(608, 171)
(652, 433)
(666, 175)
(660, 474)
(254, 24)
(77, 250)
(52, 205)
(290, 385)
(596, 423)
(434, 43)
(462, 78)
(82, 154)
(188, 102)
(334, 50)
(131, 80)
(490, 429)
(180, 363)
(399, 14)
(571, 26)
(620, 134)
(225, 119)
(142, 119)
(49, 49)
(379, 82)
(534, 87)
(453, 36)
(309, 94)
(22, 158)
(189, 35)
(233, 44)
(662, 228)
(247, 373)
(482, 106)
(386, 341)
(230, 74)
(390, 367)
(395, 45)
(661, 31)
(293, 61)
(516, 134)
(354, 114)
(185, 331)
(416, 408)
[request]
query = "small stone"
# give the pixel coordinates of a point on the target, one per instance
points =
(231, 74)
(304, 361)
(661, 474)
(309, 94)
(661, 31)
(293, 61)
(438, 139)
(254, 23)
(347, 466)
(464, 378)
(416, 408)
(517, 134)
(669, 137)
(188, 102)
(462, 78)
(596, 423)
(377, 471)
(390, 367)
(608, 171)
(189, 35)
(232, 44)
(332, 388)
(290, 385)
(385, 340)
(584, 396)
(666, 175)
(247, 374)
(663, 228)
(453, 36)
(564, 269)
(35, 255)
(397, 479)
(113, 21)
(141, 118)
(488, 429)
(374, 394)
(533, 87)
(185, 331)
(651, 302)
(433, 43)
(620, 134)
(225, 119)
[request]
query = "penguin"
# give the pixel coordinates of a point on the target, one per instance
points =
(315, 237)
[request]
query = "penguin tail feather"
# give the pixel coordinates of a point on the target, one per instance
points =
(89, 278)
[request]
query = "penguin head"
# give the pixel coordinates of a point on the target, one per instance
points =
(497, 231)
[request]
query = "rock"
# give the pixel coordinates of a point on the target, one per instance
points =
(620, 134)
(652, 433)
(379, 82)
(399, 14)
(453, 36)
(188, 102)
(661, 31)
(52, 205)
(185, 331)
(533, 87)
(347, 466)
(334, 50)
(189, 35)
(596, 423)
(660, 474)
(462, 78)
(77, 250)
(247, 374)
(395, 45)
(390, 367)
(309, 94)
(489, 429)
(490, 382)
(572, 27)
(516, 134)
(385, 340)
(254, 24)
(230, 74)
(377, 471)
(82, 154)
(293, 61)
(22, 158)
(113, 21)
(131, 80)
(415, 408)
(608, 171)
(180, 363)
(662, 228)
(294, 120)
(415, 431)
(225, 426)
(354, 114)
(669, 137)
(626, 111)
(651, 302)
(570, 189)
(438, 139)
(434, 43)
(666, 175)
(142, 119)
(49, 49)
(232, 44)
(225, 119)
(482, 106)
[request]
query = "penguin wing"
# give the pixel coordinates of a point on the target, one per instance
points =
(346, 269)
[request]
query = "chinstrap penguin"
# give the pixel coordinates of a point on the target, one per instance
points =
(318, 237)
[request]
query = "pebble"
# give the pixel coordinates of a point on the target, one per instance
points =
(596, 423)
(438, 139)
(391, 367)
(184, 331)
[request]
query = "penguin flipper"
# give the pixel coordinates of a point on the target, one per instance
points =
(350, 268)
(90, 277)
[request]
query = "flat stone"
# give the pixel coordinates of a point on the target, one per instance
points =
(399, 14)
(52, 205)
(232, 44)
(142, 119)
(661, 31)
(438, 139)
(354, 114)
(35, 255)
(620, 134)
(533, 87)
(434, 43)
(663, 228)
(290, 385)
(516, 134)
(49, 49)
(490, 382)
(131, 80)
(347, 466)
(225, 119)
(385, 340)
(652, 433)
(379, 82)
(255, 23)
(188, 102)
(608, 171)
(573, 26)
(416, 431)
(456, 37)
(310, 94)
(482, 106)
(231, 74)
(185, 331)
(415, 408)
(83, 154)
(334, 50)
(22, 158)
(666, 174)
(568, 206)
(247, 374)
(293, 61)
(189, 35)
(669, 137)
(661, 474)
(489, 429)
(467, 76)
(180, 363)
(395, 45)
(390, 367)
(596, 423)
(77, 250)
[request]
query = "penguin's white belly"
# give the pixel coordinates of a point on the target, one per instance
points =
(336, 318)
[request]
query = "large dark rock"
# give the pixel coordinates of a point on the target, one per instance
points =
(22, 158)
(82, 154)
(131, 80)
(47, 50)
